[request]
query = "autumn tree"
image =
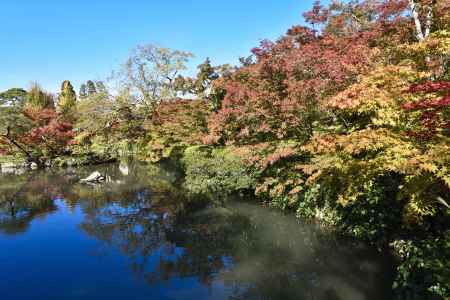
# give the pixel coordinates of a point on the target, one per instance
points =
(423, 13)
(348, 120)
(95, 117)
(433, 120)
(37, 133)
(150, 74)
(176, 124)
(278, 97)
(38, 99)
(49, 137)
(106, 123)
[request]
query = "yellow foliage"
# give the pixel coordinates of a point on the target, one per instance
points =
(359, 158)
(379, 94)
(437, 44)
(429, 54)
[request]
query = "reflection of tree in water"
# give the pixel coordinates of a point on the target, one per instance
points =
(145, 227)
(24, 198)
(135, 213)
(207, 242)
(281, 258)
(257, 253)
(260, 254)
(31, 195)
(137, 228)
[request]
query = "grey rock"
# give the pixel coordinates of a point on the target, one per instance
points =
(95, 177)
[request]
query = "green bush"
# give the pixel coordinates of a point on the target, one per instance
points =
(377, 216)
(425, 266)
(317, 203)
(215, 172)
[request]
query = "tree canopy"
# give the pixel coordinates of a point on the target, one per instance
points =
(345, 119)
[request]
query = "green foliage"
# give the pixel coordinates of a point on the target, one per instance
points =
(83, 91)
(424, 269)
(108, 125)
(150, 73)
(323, 121)
(37, 98)
(217, 172)
(206, 75)
(67, 98)
(11, 117)
(378, 214)
(317, 203)
(100, 87)
(91, 88)
(13, 97)
(94, 118)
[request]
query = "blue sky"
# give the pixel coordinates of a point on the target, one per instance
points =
(49, 41)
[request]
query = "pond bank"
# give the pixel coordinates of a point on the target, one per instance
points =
(213, 174)
(19, 166)
(377, 217)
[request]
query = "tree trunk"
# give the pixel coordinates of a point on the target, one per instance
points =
(30, 157)
(422, 32)
(419, 32)
(429, 21)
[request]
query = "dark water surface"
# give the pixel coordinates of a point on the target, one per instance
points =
(137, 237)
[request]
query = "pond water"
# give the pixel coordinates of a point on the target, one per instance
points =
(138, 236)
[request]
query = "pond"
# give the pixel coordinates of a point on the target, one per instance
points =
(138, 236)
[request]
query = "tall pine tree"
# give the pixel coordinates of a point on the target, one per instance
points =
(67, 98)
(92, 90)
(100, 87)
(83, 91)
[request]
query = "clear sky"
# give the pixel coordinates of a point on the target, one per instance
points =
(49, 41)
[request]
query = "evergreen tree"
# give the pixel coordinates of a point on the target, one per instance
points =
(206, 74)
(13, 97)
(83, 91)
(67, 97)
(246, 61)
(100, 87)
(92, 90)
(11, 118)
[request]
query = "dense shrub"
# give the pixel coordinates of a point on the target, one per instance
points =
(217, 172)
(424, 268)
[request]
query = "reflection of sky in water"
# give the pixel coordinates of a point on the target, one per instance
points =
(126, 242)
